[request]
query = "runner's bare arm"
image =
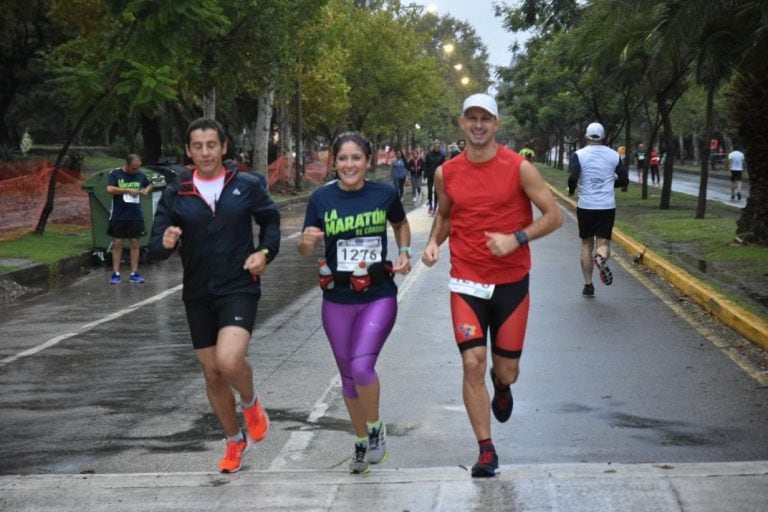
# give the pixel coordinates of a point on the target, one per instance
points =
(539, 193)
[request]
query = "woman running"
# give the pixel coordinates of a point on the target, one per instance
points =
(350, 216)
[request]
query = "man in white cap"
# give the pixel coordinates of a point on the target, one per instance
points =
(596, 170)
(485, 196)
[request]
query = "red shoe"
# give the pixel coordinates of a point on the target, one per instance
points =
(233, 458)
(257, 421)
(487, 465)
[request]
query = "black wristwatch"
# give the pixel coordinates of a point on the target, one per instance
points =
(522, 238)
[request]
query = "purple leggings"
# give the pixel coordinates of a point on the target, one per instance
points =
(357, 333)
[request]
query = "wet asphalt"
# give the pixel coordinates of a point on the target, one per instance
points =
(102, 379)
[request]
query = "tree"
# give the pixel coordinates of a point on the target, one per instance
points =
(749, 107)
(25, 99)
(118, 57)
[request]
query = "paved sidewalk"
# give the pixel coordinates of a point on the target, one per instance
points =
(735, 487)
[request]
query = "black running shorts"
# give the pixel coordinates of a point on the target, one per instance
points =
(126, 228)
(207, 317)
(597, 223)
(504, 315)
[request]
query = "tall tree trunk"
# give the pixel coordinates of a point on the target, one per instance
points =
(681, 144)
(209, 104)
(669, 162)
(261, 131)
(153, 138)
(299, 138)
(701, 203)
(697, 149)
(284, 128)
(749, 104)
(627, 138)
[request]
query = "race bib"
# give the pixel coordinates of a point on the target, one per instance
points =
(481, 291)
(349, 253)
(128, 198)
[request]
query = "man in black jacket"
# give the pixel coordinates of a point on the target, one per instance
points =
(208, 214)
(432, 161)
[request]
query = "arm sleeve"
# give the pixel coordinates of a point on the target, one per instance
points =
(396, 211)
(574, 169)
(622, 179)
(267, 216)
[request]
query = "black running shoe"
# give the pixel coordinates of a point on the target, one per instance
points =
(502, 402)
(588, 291)
(487, 464)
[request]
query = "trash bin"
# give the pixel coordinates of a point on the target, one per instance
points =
(100, 202)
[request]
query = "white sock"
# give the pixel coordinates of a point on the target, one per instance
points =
(237, 437)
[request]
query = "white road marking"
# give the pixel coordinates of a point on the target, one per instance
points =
(299, 440)
(88, 326)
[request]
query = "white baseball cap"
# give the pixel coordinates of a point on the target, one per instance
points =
(595, 131)
(483, 101)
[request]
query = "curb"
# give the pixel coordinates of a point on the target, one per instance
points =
(749, 325)
(36, 273)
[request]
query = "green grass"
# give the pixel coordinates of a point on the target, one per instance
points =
(98, 162)
(57, 242)
(738, 271)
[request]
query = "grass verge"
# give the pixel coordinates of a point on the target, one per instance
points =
(706, 248)
(57, 242)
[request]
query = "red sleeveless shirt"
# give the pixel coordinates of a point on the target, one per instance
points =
(486, 196)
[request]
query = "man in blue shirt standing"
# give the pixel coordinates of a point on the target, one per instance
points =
(127, 184)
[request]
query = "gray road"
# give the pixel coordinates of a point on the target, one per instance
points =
(718, 189)
(102, 379)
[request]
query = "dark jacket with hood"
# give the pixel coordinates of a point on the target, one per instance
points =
(215, 244)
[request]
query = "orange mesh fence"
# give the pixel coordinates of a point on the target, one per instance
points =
(23, 191)
(24, 187)
(282, 172)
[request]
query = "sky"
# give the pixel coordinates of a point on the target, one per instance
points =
(479, 14)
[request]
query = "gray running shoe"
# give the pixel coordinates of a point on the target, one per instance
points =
(359, 462)
(377, 444)
(606, 276)
(588, 291)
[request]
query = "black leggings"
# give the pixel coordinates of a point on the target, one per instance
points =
(431, 196)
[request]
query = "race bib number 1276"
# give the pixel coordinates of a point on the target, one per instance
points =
(349, 253)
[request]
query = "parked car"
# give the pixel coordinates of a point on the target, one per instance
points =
(170, 171)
